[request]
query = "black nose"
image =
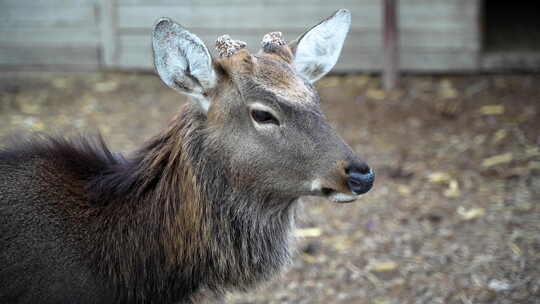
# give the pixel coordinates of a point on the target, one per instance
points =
(360, 178)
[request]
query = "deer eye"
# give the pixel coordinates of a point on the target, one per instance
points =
(264, 117)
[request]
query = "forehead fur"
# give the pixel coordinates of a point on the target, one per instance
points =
(279, 77)
(271, 73)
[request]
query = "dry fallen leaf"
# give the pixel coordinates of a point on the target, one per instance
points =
(308, 232)
(497, 160)
(470, 214)
(382, 266)
(532, 151)
(404, 190)
(439, 177)
(105, 86)
(381, 301)
(309, 259)
(340, 243)
(499, 135)
(38, 126)
(492, 110)
(376, 94)
(515, 249)
(499, 285)
(453, 190)
(447, 90)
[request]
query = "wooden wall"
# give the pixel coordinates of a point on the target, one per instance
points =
(436, 35)
(49, 34)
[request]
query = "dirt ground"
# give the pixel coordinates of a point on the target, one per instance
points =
(454, 216)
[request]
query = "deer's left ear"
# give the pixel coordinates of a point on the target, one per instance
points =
(317, 50)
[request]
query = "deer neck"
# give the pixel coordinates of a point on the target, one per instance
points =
(183, 209)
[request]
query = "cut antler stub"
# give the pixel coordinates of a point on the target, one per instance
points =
(226, 47)
(274, 43)
(273, 40)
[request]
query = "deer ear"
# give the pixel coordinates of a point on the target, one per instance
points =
(317, 50)
(182, 60)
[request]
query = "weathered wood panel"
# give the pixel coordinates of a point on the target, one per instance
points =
(136, 53)
(421, 61)
(430, 29)
(49, 3)
(350, 61)
(360, 39)
(447, 17)
(47, 36)
(55, 33)
(11, 56)
(435, 34)
(296, 3)
(47, 16)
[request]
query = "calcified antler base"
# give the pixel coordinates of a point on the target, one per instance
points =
(226, 47)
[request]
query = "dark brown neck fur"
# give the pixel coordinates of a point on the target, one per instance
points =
(171, 225)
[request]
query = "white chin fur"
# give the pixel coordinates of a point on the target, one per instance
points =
(342, 197)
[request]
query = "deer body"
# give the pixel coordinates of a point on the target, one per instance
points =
(205, 206)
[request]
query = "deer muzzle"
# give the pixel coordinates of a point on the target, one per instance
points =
(360, 179)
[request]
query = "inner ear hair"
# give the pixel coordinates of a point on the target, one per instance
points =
(317, 50)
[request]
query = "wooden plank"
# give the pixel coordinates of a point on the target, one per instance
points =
(228, 17)
(425, 61)
(47, 16)
(467, 40)
(440, 17)
(47, 3)
(40, 56)
(337, 3)
(361, 39)
(352, 61)
(135, 59)
(442, 61)
(109, 32)
(353, 58)
(58, 68)
(431, 30)
(49, 37)
(299, 3)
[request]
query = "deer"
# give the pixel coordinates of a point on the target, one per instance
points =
(206, 206)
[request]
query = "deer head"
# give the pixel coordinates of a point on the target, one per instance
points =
(262, 113)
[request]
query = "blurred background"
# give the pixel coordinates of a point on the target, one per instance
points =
(453, 132)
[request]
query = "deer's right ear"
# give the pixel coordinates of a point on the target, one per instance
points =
(182, 60)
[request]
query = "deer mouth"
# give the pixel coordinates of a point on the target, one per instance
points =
(338, 197)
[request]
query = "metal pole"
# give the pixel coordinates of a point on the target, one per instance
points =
(391, 45)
